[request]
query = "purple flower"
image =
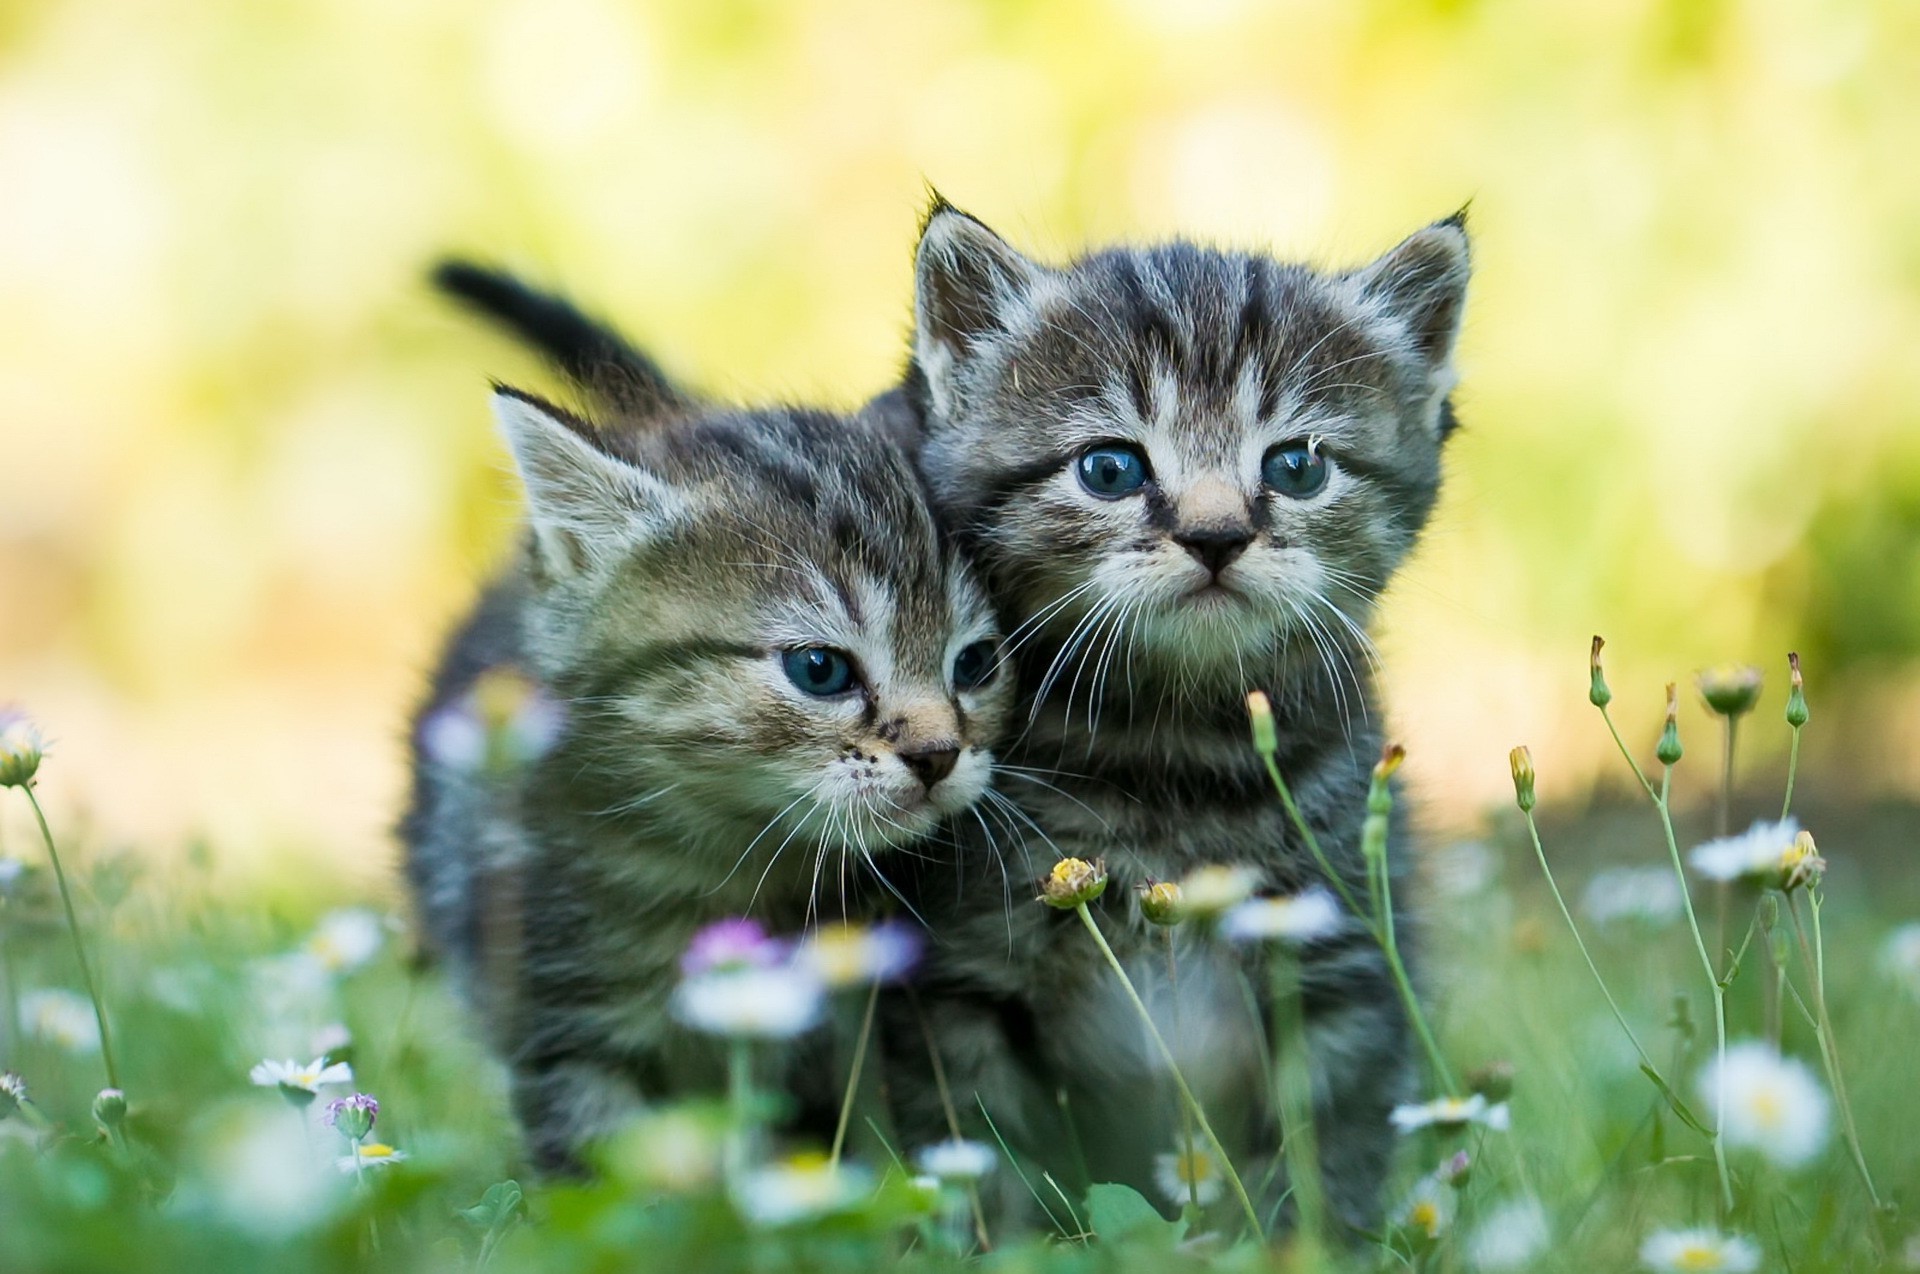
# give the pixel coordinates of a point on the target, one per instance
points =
(731, 944)
(353, 1116)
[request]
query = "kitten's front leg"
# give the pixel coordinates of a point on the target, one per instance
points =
(566, 1106)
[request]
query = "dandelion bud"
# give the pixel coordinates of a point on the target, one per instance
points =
(1457, 1170)
(13, 1093)
(1730, 689)
(1494, 1081)
(353, 1117)
(1597, 692)
(1266, 737)
(1160, 902)
(21, 748)
(1769, 912)
(1072, 882)
(1796, 692)
(1521, 761)
(1669, 750)
(110, 1108)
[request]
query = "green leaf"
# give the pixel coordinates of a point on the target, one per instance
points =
(1116, 1212)
(1687, 1117)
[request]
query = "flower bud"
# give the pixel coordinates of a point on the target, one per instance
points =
(1457, 1170)
(1730, 689)
(1796, 693)
(1160, 902)
(1521, 762)
(21, 748)
(1379, 795)
(1769, 912)
(1494, 1081)
(1669, 750)
(353, 1117)
(1597, 692)
(1073, 882)
(110, 1108)
(1266, 736)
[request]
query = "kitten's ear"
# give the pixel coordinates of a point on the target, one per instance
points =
(1422, 284)
(586, 506)
(969, 284)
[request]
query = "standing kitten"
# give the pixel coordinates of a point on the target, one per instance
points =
(1186, 474)
(768, 667)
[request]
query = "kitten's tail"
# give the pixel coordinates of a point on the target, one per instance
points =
(588, 351)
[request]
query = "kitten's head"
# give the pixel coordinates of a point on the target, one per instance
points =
(756, 625)
(1220, 454)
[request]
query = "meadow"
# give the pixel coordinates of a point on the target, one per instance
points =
(270, 1086)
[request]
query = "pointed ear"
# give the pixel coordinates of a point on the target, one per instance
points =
(1422, 284)
(969, 284)
(586, 506)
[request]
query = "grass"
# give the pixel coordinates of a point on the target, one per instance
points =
(207, 1170)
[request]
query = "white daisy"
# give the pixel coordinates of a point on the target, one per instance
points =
(13, 1092)
(1675, 1251)
(1305, 917)
(308, 1078)
(1184, 1176)
(798, 1189)
(1650, 895)
(957, 1160)
(1773, 1104)
(370, 1154)
(1757, 855)
(776, 1003)
(1427, 1211)
(61, 1018)
(344, 940)
(842, 955)
(1207, 893)
(1511, 1237)
(21, 748)
(1451, 1113)
(1900, 956)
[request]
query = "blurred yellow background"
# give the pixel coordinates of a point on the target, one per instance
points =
(247, 474)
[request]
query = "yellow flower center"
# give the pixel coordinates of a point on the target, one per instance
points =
(1193, 1169)
(1766, 1107)
(1698, 1256)
(376, 1150)
(1425, 1216)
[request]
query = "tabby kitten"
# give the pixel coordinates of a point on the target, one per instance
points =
(1186, 474)
(768, 668)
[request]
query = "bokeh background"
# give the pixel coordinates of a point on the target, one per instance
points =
(247, 474)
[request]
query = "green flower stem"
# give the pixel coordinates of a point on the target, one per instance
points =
(1313, 845)
(1179, 1080)
(1186, 1116)
(1373, 848)
(1294, 1084)
(740, 1104)
(1646, 1059)
(1713, 984)
(79, 947)
(1815, 956)
(1793, 769)
(853, 1074)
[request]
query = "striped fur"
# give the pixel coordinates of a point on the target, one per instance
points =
(1134, 660)
(671, 560)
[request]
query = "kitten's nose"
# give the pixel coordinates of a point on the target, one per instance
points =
(1216, 545)
(931, 762)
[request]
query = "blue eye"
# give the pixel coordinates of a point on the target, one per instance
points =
(1295, 469)
(818, 670)
(976, 665)
(1112, 471)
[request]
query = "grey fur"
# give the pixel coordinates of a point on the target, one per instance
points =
(1135, 747)
(670, 561)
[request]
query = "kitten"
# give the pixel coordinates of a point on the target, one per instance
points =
(1185, 473)
(767, 668)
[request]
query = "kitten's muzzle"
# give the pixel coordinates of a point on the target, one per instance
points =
(931, 762)
(1214, 545)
